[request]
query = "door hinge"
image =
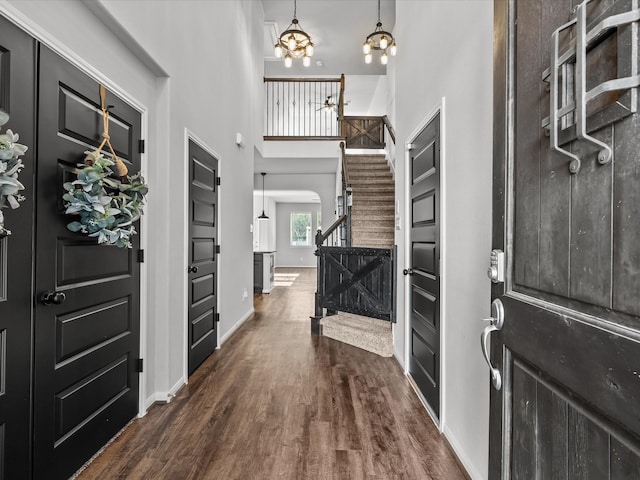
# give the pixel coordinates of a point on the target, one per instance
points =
(217, 317)
(218, 180)
(140, 256)
(140, 365)
(217, 248)
(141, 146)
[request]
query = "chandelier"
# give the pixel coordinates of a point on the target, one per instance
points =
(379, 40)
(294, 42)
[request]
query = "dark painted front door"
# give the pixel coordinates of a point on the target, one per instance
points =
(203, 245)
(567, 214)
(17, 83)
(87, 346)
(424, 273)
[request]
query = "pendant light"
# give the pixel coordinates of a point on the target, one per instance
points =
(379, 40)
(264, 215)
(294, 42)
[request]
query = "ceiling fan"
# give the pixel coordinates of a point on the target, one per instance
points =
(330, 104)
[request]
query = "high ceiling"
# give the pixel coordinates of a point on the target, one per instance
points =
(337, 29)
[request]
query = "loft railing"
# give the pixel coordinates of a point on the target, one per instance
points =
(303, 108)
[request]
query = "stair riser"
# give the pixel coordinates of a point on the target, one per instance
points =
(373, 201)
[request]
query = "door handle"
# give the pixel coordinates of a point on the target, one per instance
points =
(496, 321)
(407, 271)
(51, 297)
(192, 269)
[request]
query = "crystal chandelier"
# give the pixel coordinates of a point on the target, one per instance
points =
(379, 40)
(294, 42)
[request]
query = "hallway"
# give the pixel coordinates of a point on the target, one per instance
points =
(275, 402)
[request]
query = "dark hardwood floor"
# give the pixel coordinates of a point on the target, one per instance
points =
(276, 402)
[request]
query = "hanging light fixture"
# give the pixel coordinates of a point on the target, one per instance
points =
(264, 215)
(379, 40)
(294, 43)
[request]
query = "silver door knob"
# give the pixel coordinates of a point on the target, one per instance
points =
(496, 321)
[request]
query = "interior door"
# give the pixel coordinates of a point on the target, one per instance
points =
(203, 247)
(424, 273)
(87, 340)
(566, 212)
(17, 83)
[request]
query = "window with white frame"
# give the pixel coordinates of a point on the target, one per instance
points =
(300, 227)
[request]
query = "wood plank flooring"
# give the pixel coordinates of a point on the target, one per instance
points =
(277, 402)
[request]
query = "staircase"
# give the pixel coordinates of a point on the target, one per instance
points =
(373, 201)
(372, 226)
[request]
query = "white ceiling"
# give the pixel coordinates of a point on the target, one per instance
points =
(337, 28)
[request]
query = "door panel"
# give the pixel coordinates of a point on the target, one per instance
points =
(17, 85)
(569, 347)
(203, 231)
(86, 348)
(424, 363)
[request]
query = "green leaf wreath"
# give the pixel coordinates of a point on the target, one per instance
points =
(10, 167)
(107, 207)
(107, 200)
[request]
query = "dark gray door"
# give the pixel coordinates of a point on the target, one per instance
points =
(203, 247)
(567, 214)
(86, 347)
(424, 289)
(17, 84)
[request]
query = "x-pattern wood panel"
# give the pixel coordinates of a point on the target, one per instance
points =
(354, 279)
(364, 132)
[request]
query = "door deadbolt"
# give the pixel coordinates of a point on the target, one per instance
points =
(496, 266)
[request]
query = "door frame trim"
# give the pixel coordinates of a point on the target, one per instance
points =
(437, 109)
(189, 135)
(36, 32)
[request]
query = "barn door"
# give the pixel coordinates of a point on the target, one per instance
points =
(424, 271)
(203, 247)
(17, 83)
(566, 320)
(87, 334)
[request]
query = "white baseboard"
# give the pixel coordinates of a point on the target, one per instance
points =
(464, 460)
(399, 359)
(164, 397)
(167, 396)
(296, 266)
(232, 330)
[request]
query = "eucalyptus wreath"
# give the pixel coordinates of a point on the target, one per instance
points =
(107, 207)
(10, 167)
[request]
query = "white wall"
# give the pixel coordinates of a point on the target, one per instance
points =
(288, 256)
(364, 95)
(211, 92)
(445, 50)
